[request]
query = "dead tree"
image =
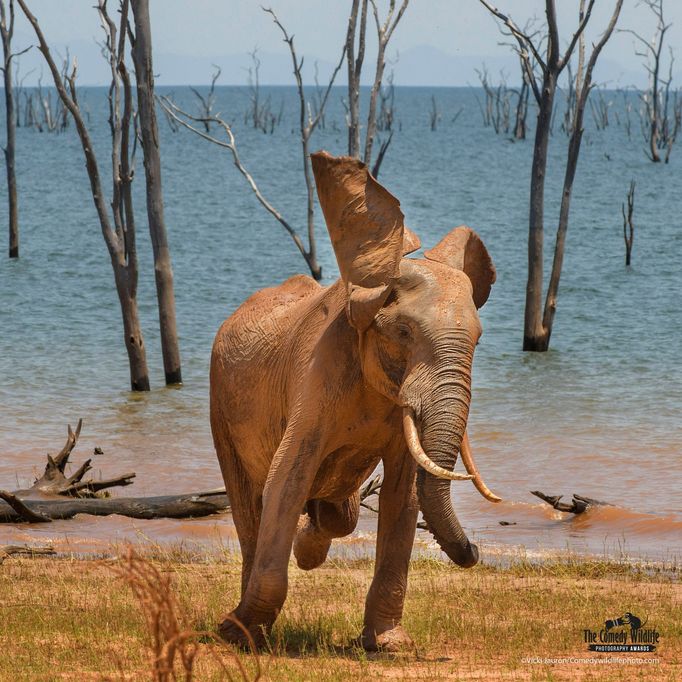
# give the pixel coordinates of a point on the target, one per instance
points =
(489, 93)
(357, 34)
(660, 128)
(57, 496)
(259, 114)
(119, 238)
(384, 32)
(521, 114)
(386, 117)
(7, 33)
(567, 120)
(434, 114)
(497, 110)
(149, 135)
(19, 93)
(628, 225)
(538, 321)
(355, 63)
(523, 93)
(600, 110)
(318, 96)
(52, 117)
(206, 103)
(307, 125)
(627, 110)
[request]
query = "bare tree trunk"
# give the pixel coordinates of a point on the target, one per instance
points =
(120, 239)
(560, 245)
(533, 332)
(6, 32)
(538, 321)
(384, 33)
(628, 225)
(522, 110)
(656, 110)
(10, 153)
(142, 59)
(583, 87)
(354, 72)
(132, 336)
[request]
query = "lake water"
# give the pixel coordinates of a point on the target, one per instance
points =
(599, 414)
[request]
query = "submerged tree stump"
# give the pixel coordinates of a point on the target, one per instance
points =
(55, 496)
(578, 504)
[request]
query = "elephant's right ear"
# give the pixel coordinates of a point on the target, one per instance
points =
(365, 224)
(463, 249)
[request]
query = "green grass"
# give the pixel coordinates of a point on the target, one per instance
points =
(75, 619)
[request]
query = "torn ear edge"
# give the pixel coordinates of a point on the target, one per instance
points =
(363, 303)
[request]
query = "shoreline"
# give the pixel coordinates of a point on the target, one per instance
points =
(213, 536)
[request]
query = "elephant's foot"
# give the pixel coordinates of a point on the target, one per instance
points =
(310, 546)
(233, 631)
(391, 640)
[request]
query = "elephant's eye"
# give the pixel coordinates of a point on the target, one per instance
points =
(404, 331)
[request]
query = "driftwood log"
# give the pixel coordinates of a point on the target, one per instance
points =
(15, 510)
(8, 550)
(57, 496)
(578, 504)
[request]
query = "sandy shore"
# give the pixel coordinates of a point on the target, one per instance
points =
(66, 618)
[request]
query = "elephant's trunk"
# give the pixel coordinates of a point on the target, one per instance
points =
(443, 419)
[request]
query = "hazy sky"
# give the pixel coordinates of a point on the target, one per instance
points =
(438, 41)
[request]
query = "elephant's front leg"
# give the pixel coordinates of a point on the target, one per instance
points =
(291, 474)
(398, 509)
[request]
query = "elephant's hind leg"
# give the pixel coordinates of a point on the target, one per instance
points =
(245, 504)
(323, 522)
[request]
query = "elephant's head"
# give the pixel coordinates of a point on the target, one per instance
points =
(417, 325)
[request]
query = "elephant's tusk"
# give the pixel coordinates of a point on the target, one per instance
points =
(416, 450)
(470, 466)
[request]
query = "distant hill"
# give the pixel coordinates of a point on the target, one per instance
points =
(420, 66)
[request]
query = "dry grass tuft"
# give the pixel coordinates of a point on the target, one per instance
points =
(174, 646)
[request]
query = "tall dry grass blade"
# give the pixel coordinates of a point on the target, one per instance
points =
(174, 646)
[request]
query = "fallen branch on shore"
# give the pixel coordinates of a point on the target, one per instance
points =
(578, 504)
(54, 481)
(373, 487)
(8, 550)
(160, 507)
(55, 496)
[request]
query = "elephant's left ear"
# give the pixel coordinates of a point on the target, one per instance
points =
(463, 249)
(365, 224)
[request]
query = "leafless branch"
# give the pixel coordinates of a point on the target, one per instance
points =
(182, 118)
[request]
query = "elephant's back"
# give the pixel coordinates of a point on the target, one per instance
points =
(261, 322)
(250, 367)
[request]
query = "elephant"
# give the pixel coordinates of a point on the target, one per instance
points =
(311, 387)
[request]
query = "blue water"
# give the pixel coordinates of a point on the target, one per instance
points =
(598, 415)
